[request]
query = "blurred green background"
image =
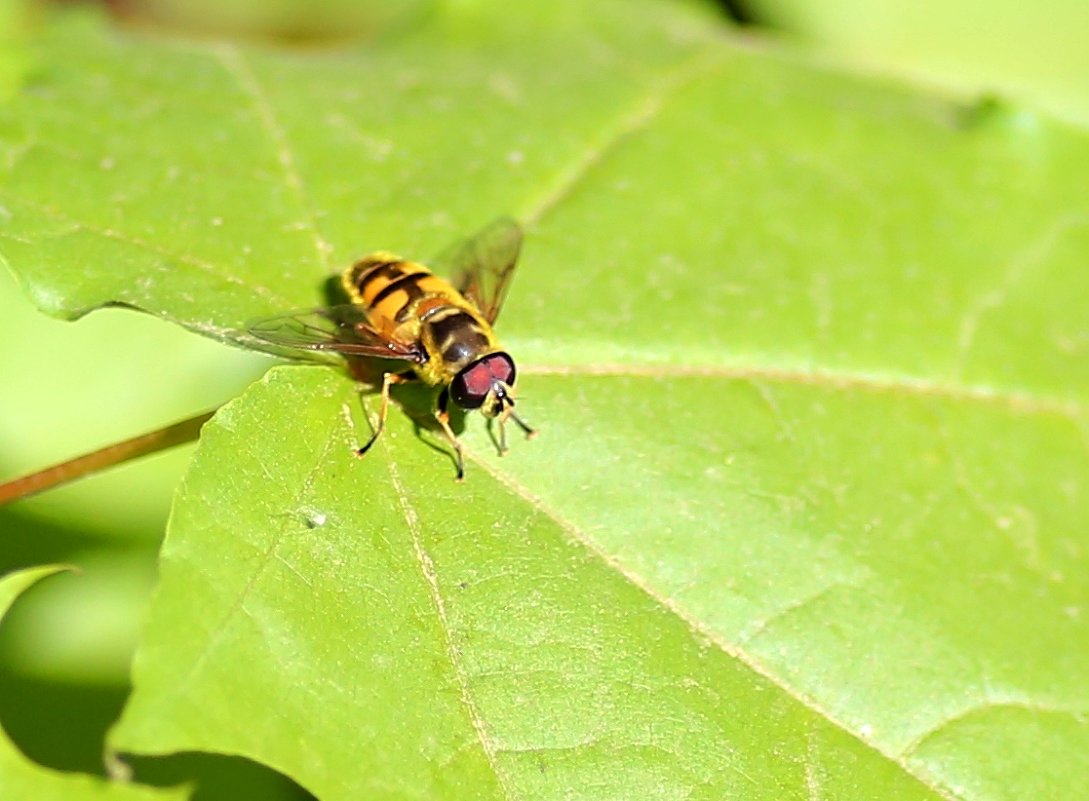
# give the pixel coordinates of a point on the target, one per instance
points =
(73, 387)
(1033, 53)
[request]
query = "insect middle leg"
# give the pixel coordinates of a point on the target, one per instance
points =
(443, 417)
(388, 380)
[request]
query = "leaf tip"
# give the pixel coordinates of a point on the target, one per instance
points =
(990, 111)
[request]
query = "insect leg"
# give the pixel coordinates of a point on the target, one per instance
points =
(530, 432)
(444, 421)
(388, 380)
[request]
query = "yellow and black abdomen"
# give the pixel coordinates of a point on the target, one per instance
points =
(408, 301)
(388, 287)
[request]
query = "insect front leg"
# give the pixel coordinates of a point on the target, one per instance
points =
(388, 380)
(443, 418)
(529, 432)
(501, 443)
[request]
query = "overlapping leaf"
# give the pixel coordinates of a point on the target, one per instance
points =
(20, 778)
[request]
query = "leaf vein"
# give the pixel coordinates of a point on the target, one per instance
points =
(698, 630)
(1028, 258)
(634, 118)
(990, 703)
(269, 555)
(427, 568)
(128, 239)
(1017, 401)
(236, 66)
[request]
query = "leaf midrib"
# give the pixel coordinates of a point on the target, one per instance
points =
(700, 633)
(427, 570)
(1020, 402)
(232, 60)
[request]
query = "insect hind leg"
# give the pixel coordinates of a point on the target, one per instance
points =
(388, 380)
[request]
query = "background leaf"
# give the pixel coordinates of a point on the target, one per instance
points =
(808, 358)
(20, 778)
(1034, 53)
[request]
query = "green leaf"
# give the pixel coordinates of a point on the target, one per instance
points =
(184, 113)
(807, 353)
(20, 778)
(400, 634)
(282, 19)
(1032, 52)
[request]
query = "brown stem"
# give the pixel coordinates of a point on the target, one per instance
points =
(158, 440)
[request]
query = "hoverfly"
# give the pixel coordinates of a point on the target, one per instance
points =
(438, 331)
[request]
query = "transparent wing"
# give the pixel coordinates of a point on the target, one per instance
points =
(482, 266)
(343, 329)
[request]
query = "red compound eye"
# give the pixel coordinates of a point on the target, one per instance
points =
(475, 381)
(501, 367)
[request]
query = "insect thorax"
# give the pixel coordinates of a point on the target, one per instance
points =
(453, 336)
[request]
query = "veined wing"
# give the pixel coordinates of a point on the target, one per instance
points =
(481, 267)
(342, 329)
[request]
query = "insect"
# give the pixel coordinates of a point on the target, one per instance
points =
(420, 326)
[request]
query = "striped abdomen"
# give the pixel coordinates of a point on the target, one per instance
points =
(406, 298)
(388, 287)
